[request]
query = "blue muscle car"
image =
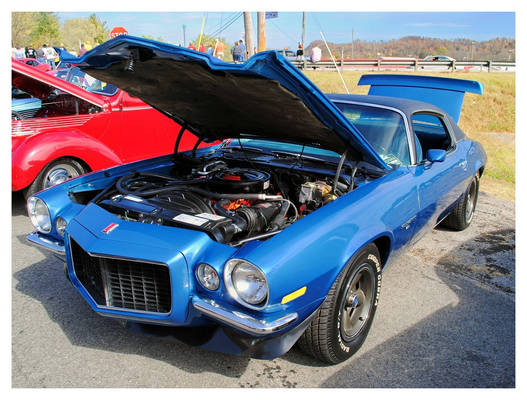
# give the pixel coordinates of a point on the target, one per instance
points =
(280, 233)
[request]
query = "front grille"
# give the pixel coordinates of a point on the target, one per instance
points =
(119, 283)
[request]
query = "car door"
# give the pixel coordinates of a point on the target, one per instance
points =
(439, 184)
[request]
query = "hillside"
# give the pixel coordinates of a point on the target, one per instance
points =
(498, 49)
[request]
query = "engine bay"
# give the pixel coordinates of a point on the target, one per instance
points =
(233, 200)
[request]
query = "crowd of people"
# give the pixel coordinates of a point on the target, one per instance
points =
(46, 54)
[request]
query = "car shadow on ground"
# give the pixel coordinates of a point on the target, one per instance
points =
(18, 204)
(468, 344)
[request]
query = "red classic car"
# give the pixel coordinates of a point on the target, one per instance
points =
(64, 128)
(34, 63)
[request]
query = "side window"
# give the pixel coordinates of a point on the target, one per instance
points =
(431, 132)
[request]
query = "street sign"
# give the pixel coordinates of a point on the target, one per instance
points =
(271, 14)
(118, 30)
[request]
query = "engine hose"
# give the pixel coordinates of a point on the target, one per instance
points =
(339, 168)
(181, 185)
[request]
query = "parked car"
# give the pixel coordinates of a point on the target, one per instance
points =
(34, 63)
(281, 233)
(438, 58)
(64, 129)
(288, 54)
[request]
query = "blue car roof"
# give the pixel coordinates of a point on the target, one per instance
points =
(406, 106)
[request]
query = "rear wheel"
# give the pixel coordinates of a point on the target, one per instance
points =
(343, 321)
(54, 173)
(463, 213)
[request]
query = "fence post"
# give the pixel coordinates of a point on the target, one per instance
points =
(490, 64)
(415, 65)
(378, 64)
(453, 65)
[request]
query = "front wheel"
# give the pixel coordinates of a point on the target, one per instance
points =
(54, 173)
(343, 321)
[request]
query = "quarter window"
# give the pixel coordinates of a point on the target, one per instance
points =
(431, 132)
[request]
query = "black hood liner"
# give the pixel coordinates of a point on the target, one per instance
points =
(217, 104)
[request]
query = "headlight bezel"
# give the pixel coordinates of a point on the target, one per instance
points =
(32, 204)
(230, 266)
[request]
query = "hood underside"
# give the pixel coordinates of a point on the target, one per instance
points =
(266, 97)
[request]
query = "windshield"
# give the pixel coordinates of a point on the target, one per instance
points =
(88, 83)
(383, 129)
(280, 146)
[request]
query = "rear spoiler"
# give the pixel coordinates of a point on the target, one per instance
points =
(445, 93)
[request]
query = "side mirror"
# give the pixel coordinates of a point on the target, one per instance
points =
(435, 155)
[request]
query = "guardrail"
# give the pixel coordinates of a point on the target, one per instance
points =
(408, 64)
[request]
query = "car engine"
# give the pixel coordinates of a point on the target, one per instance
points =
(233, 204)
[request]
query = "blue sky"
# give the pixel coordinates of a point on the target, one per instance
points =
(285, 31)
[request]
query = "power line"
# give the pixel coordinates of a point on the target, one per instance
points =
(226, 25)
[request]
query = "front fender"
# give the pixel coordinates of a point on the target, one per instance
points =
(35, 152)
(314, 250)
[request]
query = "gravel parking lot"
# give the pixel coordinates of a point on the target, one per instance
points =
(446, 318)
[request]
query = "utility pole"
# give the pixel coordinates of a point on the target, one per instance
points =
(303, 29)
(261, 31)
(248, 22)
(304, 38)
(184, 37)
(352, 39)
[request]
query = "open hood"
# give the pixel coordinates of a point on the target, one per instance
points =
(267, 97)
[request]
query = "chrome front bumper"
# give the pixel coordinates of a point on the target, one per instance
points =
(242, 321)
(56, 247)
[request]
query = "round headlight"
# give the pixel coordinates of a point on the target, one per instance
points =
(246, 283)
(39, 214)
(60, 225)
(208, 277)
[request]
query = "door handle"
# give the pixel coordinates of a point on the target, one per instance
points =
(406, 225)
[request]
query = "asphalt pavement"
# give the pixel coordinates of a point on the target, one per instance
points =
(446, 318)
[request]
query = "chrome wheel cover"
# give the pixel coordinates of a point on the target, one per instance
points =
(60, 173)
(357, 302)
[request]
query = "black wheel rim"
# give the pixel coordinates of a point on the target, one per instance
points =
(357, 302)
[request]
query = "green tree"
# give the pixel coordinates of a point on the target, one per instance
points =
(150, 37)
(442, 50)
(101, 31)
(76, 31)
(22, 24)
(46, 29)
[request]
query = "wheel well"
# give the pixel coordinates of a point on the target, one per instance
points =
(79, 160)
(383, 244)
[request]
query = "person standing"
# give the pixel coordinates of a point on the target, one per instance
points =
(202, 48)
(82, 50)
(49, 53)
(235, 52)
(41, 57)
(316, 54)
(220, 49)
(243, 54)
(20, 53)
(191, 46)
(30, 52)
(300, 52)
